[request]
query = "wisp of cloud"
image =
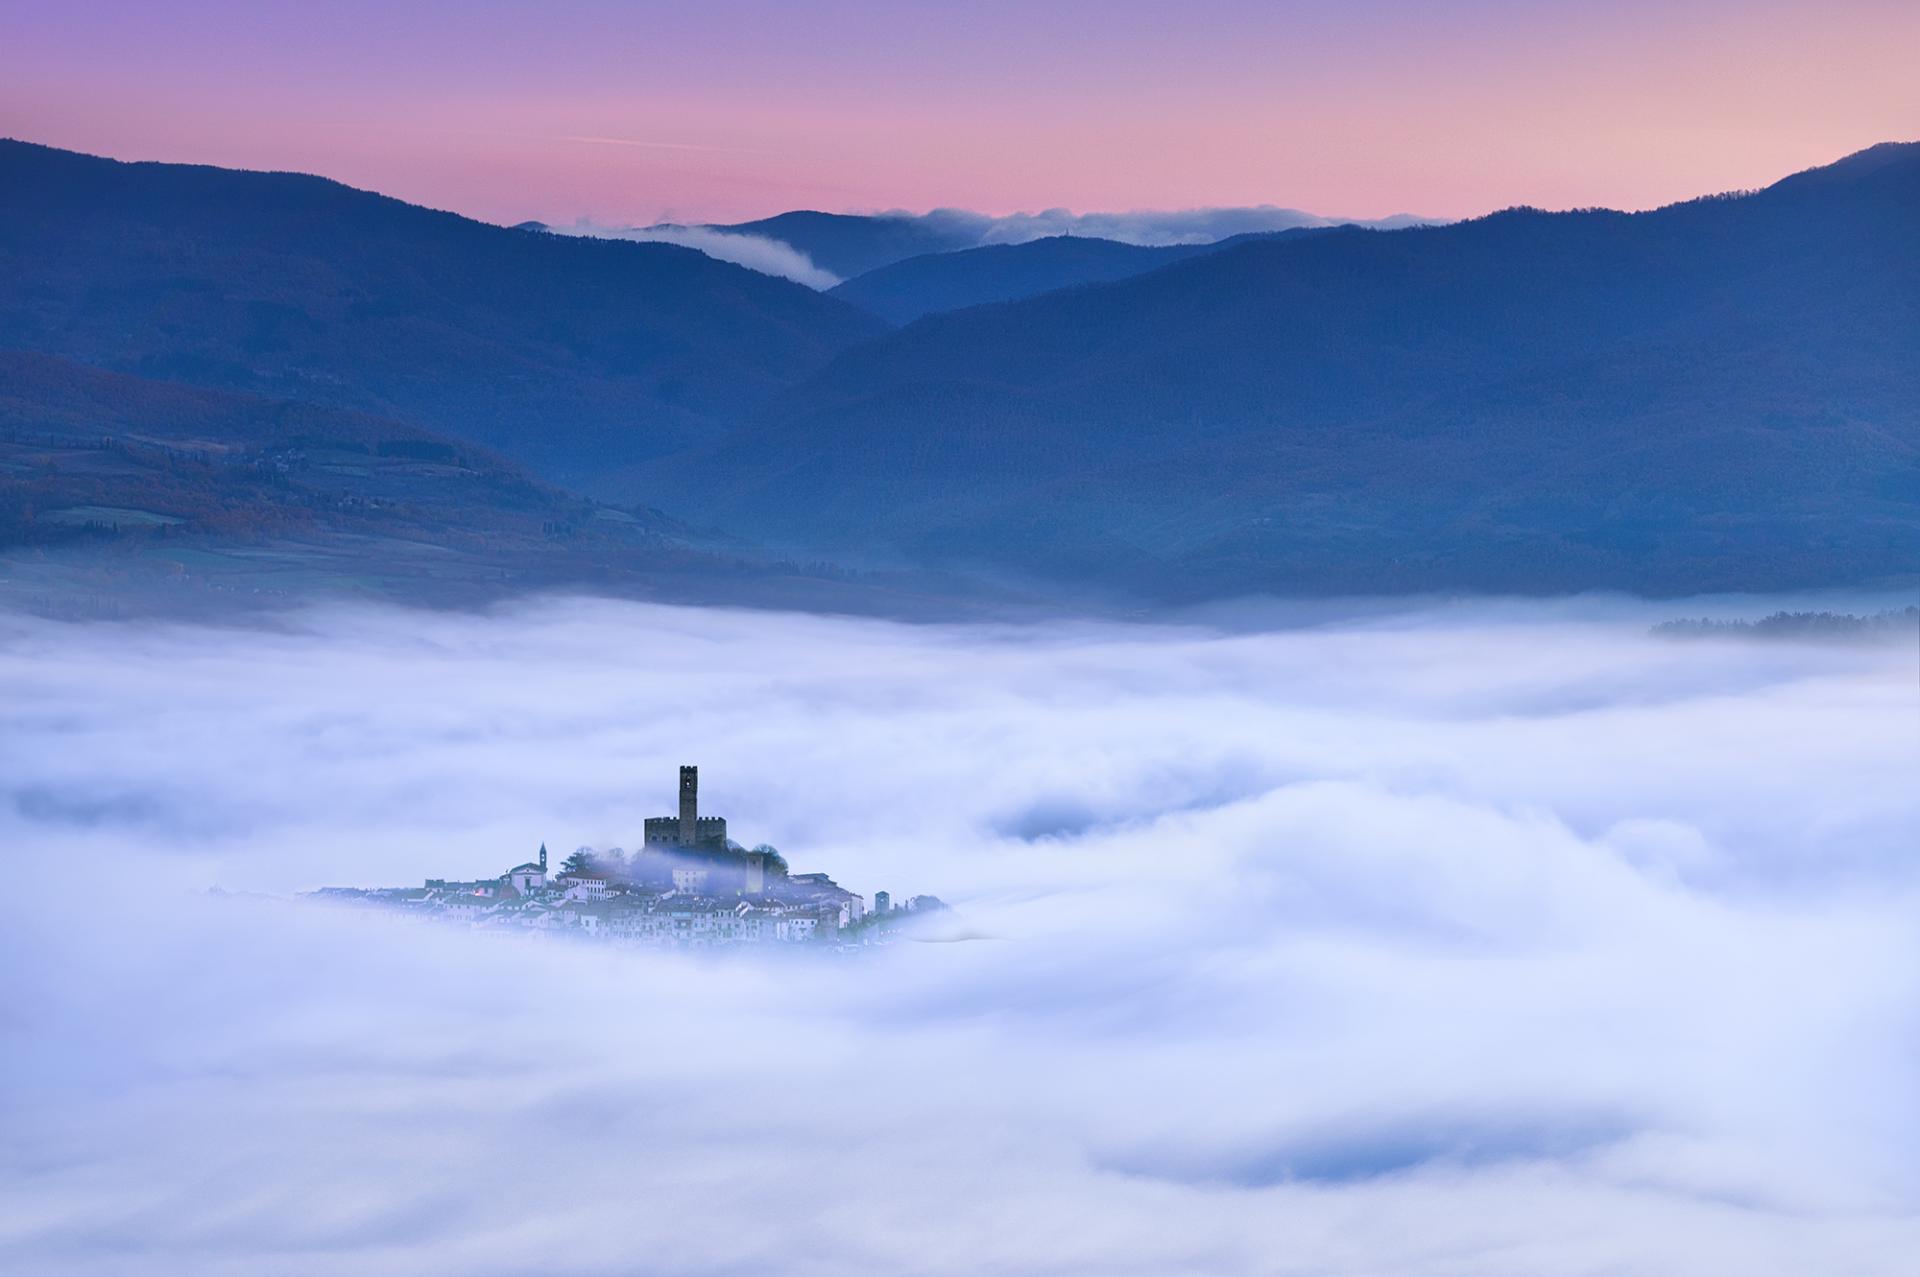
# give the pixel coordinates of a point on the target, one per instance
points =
(755, 252)
(1483, 941)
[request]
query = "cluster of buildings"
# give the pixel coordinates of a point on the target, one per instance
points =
(689, 886)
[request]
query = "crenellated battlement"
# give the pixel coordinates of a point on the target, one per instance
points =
(688, 830)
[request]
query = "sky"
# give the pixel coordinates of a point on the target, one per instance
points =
(628, 113)
(1491, 939)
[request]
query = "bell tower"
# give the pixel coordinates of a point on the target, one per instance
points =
(689, 805)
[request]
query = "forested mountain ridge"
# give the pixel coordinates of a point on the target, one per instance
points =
(89, 454)
(573, 354)
(122, 495)
(907, 290)
(1719, 394)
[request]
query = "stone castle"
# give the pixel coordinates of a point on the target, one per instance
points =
(688, 831)
(693, 851)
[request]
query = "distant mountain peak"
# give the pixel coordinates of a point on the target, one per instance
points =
(1871, 162)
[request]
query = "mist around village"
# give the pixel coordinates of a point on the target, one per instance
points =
(1073, 638)
(1432, 938)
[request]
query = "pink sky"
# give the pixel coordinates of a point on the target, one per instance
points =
(730, 109)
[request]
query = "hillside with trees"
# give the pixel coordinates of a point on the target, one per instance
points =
(574, 355)
(1720, 394)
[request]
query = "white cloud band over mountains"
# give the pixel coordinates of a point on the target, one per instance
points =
(755, 252)
(1155, 227)
(1147, 227)
(1484, 940)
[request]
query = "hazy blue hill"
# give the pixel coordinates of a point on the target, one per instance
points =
(904, 291)
(1720, 393)
(574, 354)
(850, 244)
(227, 464)
(121, 495)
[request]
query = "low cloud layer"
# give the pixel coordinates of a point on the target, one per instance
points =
(755, 252)
(1153, 226)
(1471, 942)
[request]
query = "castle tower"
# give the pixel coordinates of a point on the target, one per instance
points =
(689, 805)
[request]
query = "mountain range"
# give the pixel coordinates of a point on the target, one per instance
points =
(849, 245)
(1721, 394)
(934, 282)
(574, 354)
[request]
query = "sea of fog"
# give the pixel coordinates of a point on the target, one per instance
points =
(1488, 940)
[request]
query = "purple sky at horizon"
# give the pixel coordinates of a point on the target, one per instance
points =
(741, 108)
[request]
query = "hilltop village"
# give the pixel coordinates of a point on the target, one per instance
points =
(689, 886)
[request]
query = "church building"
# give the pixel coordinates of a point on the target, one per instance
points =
(529, 877)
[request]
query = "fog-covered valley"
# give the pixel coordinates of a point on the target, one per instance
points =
(1471, 938)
